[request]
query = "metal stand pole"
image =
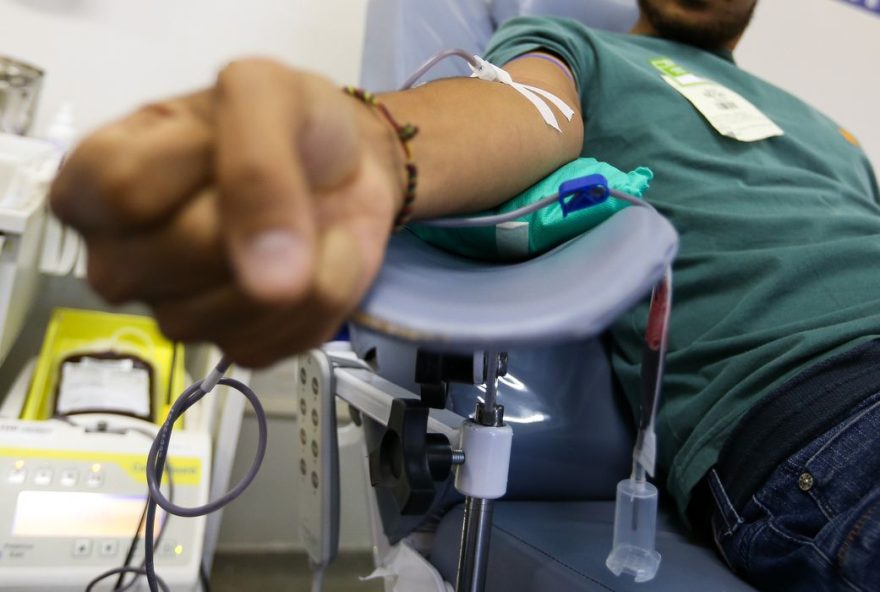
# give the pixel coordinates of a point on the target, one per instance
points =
(476, 530)
(481, 525)
(464, 573)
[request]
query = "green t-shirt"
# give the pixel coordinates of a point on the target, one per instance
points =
(780, 238)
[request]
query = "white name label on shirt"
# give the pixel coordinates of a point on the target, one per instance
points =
(727, 111)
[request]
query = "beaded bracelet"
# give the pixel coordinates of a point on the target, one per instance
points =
(405, 133)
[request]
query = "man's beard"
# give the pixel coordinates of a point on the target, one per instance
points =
(709, 33)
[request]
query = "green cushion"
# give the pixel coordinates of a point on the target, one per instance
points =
(540, 231)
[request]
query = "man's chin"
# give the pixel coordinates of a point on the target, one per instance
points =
(702, 23)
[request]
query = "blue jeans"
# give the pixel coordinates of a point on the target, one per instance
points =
(815, 523)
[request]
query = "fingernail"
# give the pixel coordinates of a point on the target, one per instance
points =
(274, 263)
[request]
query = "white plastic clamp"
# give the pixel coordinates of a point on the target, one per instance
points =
(487, 460)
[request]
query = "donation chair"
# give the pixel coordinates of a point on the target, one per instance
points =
(435, 326)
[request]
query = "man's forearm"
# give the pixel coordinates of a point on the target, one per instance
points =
(480, 143)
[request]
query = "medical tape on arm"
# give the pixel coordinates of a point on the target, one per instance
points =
(492, 73)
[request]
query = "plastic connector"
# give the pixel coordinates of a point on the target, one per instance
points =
(489, 72)
(211, 380)
(485, 70)
(583, 192)
(645, 451)
(635, 528)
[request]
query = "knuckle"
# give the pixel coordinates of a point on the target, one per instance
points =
(87, 176)
(105, 176)
(227, 77)
(158, 108)
(231, 75)
(114, 169)
(120, 184)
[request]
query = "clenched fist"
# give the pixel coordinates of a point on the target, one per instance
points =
(253, 214)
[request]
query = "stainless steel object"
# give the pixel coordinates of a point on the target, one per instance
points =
(473, 560)
(476, 529)
(20, 85)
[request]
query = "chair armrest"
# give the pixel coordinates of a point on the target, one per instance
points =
(429, 297)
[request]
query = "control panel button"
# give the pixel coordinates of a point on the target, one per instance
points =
(82, 548)
(314, 479)
(314, 386)
(69, 477)
(167, 549)
(315, 417)
(108, 548)
(17, 475)
(95, 479)
(43, 476)
(314, 449)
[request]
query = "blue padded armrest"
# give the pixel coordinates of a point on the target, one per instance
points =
(429, 297)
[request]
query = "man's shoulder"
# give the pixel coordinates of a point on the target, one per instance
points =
(557, 26)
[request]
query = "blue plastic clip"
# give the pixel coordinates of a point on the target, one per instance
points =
(584, 192)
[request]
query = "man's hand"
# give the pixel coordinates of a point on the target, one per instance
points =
(254, 214)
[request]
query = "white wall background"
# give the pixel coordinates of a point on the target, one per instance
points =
(109, 56)
(826, 52)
